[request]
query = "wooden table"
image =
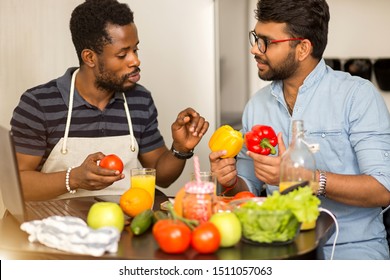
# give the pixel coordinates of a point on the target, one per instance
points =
(308, 244)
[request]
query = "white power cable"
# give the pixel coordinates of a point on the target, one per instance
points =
(384, 210)
(337, 229)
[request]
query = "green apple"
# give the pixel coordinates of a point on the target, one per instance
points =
(229, 227)
(103, 214)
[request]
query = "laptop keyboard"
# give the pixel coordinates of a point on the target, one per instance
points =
(44, 209)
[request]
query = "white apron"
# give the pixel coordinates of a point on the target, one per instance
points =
(72, 151)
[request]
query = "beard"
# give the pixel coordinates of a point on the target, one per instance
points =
(282, 71)
(109, 82)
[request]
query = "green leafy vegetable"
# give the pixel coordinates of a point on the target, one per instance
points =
(278, 218)
(301, 202)
(267, 226)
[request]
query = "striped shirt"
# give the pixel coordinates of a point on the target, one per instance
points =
(39, 120)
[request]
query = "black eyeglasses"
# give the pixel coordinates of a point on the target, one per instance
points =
(262, 44)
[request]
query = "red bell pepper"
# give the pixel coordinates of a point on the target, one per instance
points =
(261, 140)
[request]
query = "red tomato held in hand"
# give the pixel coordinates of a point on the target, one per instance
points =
(112, 162)
(243, 194)
(206, 238)
(173, 237)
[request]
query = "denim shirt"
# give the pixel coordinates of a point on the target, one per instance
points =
(348, 118)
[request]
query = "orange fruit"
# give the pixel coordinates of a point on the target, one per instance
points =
(178, 203)
(134, 201)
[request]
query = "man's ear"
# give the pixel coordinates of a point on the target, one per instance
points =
(89, 57)
(305, 48)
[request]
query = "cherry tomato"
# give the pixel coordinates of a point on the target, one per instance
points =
(206, 238)
(243, 194)
(112, 162)
(173, 237)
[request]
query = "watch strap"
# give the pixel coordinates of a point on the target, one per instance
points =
(322, 184)
(181, 155)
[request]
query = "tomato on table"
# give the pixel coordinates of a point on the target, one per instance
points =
(243, 194)
(206, 238)
(172, 236)
(112, 162)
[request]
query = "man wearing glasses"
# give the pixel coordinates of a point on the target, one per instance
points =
(345, 115)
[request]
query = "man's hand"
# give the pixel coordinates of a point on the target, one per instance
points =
(188, 130)
(267, 168)
(90, 176)
(223, 168)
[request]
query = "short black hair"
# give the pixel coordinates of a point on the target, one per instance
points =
(89, 21)
(308, 19)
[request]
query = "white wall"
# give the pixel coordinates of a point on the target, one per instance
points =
(35, 46)
(176, 51)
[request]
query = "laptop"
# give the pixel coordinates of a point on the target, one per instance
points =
(12, 191)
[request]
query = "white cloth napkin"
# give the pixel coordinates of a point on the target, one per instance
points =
(72, 234)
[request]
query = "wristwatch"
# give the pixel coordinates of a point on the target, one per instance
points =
(181, 155)
(322, 184)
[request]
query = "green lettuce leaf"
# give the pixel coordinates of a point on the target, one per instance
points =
(278, 218)
(301, 202)
(267, 226)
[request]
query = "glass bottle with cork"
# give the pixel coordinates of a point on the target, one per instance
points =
(298, 165)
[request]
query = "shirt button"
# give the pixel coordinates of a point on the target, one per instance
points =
(323, 135)
(386, 154)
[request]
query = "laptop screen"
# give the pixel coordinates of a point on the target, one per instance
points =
(10, 186)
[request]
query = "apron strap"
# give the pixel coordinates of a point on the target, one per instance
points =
(132, 147)
(71, 94)
(69, 117)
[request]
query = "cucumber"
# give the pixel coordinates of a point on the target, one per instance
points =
(142, 222)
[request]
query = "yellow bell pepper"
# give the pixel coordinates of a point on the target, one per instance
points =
(226, 138)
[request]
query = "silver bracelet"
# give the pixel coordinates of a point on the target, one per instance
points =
(322, 184)
(67, 181)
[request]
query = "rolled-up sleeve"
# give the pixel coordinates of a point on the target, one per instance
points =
(370, 135)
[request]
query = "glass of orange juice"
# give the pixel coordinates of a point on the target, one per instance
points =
(144, 178)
